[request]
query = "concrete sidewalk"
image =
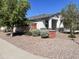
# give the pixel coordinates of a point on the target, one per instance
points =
(9, 51)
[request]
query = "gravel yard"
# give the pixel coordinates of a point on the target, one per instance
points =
(60, 47)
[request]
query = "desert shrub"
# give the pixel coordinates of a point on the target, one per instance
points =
(35, 32)
(72, 36)
(44, 34)
(43, 29)
(28, 33)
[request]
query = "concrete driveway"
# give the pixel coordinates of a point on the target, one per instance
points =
(9, 51)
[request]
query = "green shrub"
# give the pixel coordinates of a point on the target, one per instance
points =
(43, 29)
(35, 32)
(72, 36)
(44, 34)
(28, 33)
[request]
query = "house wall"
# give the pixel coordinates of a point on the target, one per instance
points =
(62, 25)
(40, 24)
(58, 24)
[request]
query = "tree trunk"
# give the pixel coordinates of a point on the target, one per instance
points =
(11, 32)
(72, 32)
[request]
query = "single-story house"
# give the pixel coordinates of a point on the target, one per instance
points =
(48, 21)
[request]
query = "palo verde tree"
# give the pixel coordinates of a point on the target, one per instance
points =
(13, 13)
(70, 15)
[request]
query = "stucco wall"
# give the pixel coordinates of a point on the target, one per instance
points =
(40, 24)
(59, 24)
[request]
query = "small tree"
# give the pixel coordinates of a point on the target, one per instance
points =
(13, 13)
(70, 15)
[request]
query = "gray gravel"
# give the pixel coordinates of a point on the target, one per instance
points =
(60, 47)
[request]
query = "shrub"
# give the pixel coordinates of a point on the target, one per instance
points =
(28, 33)
(72, 36)
(43, 29)
(44, 34)
(35, 32)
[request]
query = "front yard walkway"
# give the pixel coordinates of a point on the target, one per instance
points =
(60, 47)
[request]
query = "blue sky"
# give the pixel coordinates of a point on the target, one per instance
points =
(48, 6)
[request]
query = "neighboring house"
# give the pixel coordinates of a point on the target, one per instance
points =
(48, 21)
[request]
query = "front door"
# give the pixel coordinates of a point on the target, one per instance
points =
(54, 22)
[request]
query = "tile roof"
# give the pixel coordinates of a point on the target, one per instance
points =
(43, 16)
